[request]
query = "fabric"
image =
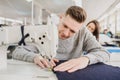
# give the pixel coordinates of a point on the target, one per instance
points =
(97, 71)
(72, 47)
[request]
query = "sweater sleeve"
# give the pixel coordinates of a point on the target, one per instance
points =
(95, 52)
(25, 53)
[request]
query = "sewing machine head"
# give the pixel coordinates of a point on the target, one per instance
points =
(44, 37)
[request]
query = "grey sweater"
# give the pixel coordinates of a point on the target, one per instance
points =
(73, 47)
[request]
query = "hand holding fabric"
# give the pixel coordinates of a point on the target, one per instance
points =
(73, 65)
(45, 63)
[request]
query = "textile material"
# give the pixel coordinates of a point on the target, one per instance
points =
(99, 71)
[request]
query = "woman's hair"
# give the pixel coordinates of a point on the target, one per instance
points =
(97, 27)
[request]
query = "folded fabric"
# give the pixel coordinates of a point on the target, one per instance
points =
(99, 71)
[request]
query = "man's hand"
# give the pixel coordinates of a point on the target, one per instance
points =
(45, 63)
(73, 65)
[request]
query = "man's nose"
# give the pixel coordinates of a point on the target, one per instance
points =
(66, 32)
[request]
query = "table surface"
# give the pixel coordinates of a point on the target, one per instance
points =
(19, 70)
(114, 39)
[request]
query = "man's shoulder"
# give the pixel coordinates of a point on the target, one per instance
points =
(84, 33)
(83, 30)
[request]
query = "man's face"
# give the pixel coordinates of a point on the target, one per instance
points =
(68, 27)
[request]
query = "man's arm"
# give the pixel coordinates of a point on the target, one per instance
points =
(25, 53)
(95, 52)
(30, 54)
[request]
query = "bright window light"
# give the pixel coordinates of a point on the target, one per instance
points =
(1, 18)
(11, 20)
(29, 0)
(118, 5)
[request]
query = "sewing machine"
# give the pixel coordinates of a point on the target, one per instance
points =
(45, 37)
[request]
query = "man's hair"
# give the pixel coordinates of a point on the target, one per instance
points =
(77, 13)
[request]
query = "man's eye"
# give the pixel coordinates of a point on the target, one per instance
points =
(65, 26)
(72, 31)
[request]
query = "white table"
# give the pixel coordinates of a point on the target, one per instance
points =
(19, 70)
(114, 39)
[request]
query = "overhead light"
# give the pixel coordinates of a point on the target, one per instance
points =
(118, 6)
(78, 2)
(29, 0)
(11, 20)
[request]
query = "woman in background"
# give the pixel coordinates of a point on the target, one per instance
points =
(93, 26)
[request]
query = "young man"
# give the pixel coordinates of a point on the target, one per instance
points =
(74, 39)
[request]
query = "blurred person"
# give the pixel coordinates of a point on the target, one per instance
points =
(108, 33)
(94, 27)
